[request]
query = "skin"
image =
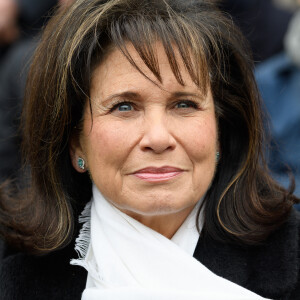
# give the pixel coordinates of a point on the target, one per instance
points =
(157, 126)
(9, 30)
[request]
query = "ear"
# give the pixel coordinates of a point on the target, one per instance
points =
(76, 153)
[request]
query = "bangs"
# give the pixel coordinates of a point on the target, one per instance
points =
(176, 37)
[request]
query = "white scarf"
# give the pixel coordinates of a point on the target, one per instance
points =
(126, 260)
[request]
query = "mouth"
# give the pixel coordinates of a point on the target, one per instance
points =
(153, 174)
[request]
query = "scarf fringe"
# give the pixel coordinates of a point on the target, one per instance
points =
(83, 240)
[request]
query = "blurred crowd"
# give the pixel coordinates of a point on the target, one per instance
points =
(272, 28)
(21, 22)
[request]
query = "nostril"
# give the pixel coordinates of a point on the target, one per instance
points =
(156, 149)
(158, 145)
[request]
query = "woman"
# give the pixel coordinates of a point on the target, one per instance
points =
(144, 117)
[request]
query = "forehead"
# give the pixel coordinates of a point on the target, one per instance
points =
(116, 71)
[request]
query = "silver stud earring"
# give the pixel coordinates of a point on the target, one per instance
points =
(217, 156)
(81, 163)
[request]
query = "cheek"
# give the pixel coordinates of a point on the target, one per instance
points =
(202, 152)
(107, 143)
(201, 139)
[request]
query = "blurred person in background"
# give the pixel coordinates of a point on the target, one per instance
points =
(262, 22)
(13, 75)
(276, 52)
(279, 82)
(21, 18)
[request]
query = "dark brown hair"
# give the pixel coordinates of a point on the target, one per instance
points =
(243, 203)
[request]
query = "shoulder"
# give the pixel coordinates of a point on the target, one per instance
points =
(270, 270)
(275, 69)
(45, 277)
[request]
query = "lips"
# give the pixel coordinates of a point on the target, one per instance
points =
(153, 174)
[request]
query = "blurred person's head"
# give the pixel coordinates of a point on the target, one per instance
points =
(292, 36)
(288, 4)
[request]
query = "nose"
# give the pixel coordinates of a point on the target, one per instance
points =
(157, 136)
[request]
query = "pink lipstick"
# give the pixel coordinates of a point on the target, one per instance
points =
(153, 174)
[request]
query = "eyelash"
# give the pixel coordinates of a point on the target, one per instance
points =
(190, 103)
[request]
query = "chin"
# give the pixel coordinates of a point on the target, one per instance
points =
(160, 205)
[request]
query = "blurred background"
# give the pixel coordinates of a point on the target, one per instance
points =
(272, 28)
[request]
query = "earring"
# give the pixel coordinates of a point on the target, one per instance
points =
(217, 156)
(81, 163)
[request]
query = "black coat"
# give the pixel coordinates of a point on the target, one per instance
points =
(270, 270)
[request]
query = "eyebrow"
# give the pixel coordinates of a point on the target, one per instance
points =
(182, 94)
(134, 95)
(128, 95)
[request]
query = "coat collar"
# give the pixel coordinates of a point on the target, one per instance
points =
(270, 270)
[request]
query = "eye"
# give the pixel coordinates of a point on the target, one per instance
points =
(186, 104)
(123, 106)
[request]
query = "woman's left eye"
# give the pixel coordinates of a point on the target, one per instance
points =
(186, 104)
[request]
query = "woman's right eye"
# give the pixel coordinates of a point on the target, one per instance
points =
(123, 106)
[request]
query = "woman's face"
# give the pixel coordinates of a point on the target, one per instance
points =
(150, 149)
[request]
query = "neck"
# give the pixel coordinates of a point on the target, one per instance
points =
(166, 224)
